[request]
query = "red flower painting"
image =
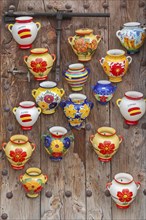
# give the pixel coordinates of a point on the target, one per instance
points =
(117, 69)
(56, 154)
(18, 155)
(39, 65)
(103, 98)
(49, 99)
(106, 147)
(125, 195)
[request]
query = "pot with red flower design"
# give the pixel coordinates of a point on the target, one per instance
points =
(115, 64)
(84, 43)
(77, 108)
(105, 143)
(24, 31)
(57, 142)
(123, 189)
(103, 91)
(18, 151)
(33, 181)
(40, 63)
(48, 96)
(132, 107)
(26, 114)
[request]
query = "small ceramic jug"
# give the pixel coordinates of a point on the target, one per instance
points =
(40, 63)
(105, 143)
(132, 36)
(76, 109)
(18, 151)
(132, 107)
(103, 91)
(57, 142)
(123, 190)
(84, 43)
(115, 64)
(33, 181)
(26, 114)
(48, 96)
(24, 31)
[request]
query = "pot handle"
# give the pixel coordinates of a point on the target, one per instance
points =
(10, 27)
(33, 146)
(62, 104)
(121, 138)
(118, 102)
(4, 145)
(101, 61)
(53, 57)
(38, 25)
(88, 70)
(108, 185)
(25, 59)
(138, 185)
(118, 34)
(91, 104)
(14, 110)
(46, 177)
(39, 110)
(145, 100)
(33, 92)
(91, 138)
(70, 39)
(129, 59)
(71, 137)
(62, 91)
(20, 178)
(98, 37)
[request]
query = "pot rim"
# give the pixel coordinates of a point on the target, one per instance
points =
(104, 82)
(101, 131)
(76, 66)
(58, 130)
(27, 104)
(18, 137)
(123, 175)
(115, 52)
(48, 84)
(33, 170)
(133, 95)
(132, 24)
(83, 31)
(24, 19)
(77, 96)
(39, 51)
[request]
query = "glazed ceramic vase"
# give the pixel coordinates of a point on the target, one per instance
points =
(76, 108)
(18, 151)
(40, 63)
(132, 36)
(132, 107)
(26, 114)
(84, 43)
(57, 142)
(105, 143)
(33, 181)
(115, 64)
(76, 76)
(103, 91)
(48, 96)
(24, 31)
(123, 190)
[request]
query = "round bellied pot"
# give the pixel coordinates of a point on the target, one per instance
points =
(24, 31)
(132, 36)
(76, 108)
(76, 76)
(132, 107)
(105, 143)
(115, 64)
(57, 142)
(26, 114)
(40, 63)
(18, 151)
(84, 43)
(103, 91)
(48, 96)
(123, 190)
(33, 181)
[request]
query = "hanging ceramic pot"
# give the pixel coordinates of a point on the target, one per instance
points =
(115, 64)
(132, 36)
(76, 109)
(40, 63)
(84, 43)
(132, 107)
(26, 114)
(105, 143)
(24, 31)
(48, 96)
(33, 181)
(123, 190)
(103, 91)
(57, 142)
(18, 151)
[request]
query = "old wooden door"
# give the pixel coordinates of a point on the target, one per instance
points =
(76, 185)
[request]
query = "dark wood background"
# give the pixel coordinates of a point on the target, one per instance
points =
(79, 172)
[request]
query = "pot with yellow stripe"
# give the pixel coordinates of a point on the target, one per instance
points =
(132, 107)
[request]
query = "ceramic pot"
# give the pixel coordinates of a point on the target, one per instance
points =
(84, 43)
(33, 181)
(26, 114)
(115, 64)
(123, 190)
(103, 91)
(132, 36)
(57, 142)
(132, 107)
(18, 151)
(105, 143)
(48, 96)
(76, 109)
(24, 31)
(76, 76)
(40, 63)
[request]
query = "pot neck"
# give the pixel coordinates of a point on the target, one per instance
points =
(19, 139)
(106, 131)
(33, 172)
(133, 95)
(123, 178)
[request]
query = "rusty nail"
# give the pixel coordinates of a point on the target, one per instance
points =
(9, 195)
(144, 192)
(48, 194)
(88, 127)
(68, 194)
(6, 109)
(4, 172)
(4, 216)
(88, 193)
(107, 193)
(49, 6)
(10, 128)
(68, 6)
(105, 5)
(86, 5)
(141, 4)
(30, 7)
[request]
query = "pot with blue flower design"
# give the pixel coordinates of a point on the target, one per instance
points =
(103, 91)
(76, 109)
(57, 142)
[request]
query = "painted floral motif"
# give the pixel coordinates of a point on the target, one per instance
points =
(82, 46)
(49, 99)
(125, 195)
(18, 155)
(117, 69)
(66, 142)
(39, 65)
(70, 111)
(43, 105)
(56, 146)
(85, 110)
(32, 186)
(47, 141)
(106, 147)
(57, 154)
(103, 98)
(75, 122)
